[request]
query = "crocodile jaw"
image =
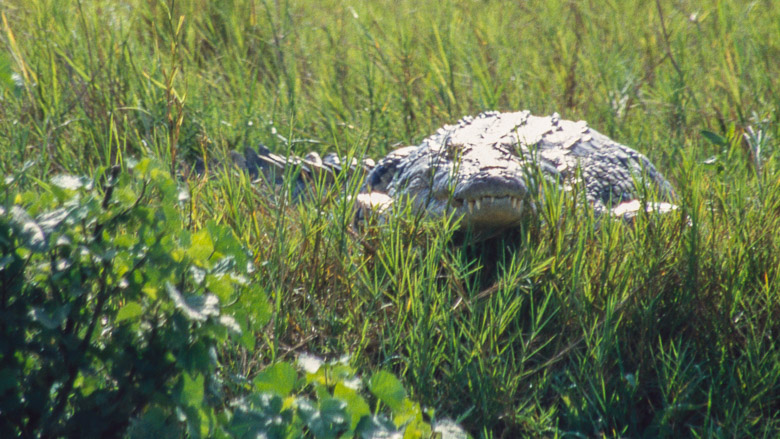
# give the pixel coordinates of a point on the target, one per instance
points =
(490, 212)
(485, 187)
(485, 212)
(480, 198)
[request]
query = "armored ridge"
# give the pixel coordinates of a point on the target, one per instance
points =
(485, 169)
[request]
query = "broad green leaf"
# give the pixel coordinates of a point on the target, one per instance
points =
(224, 265)
(262, 416)
(356, 405)
(376, 427)
(221, 286)
(342, 373)
(88, 384)
(30, 231)
(225, 241)
(333, 417)
(194, 307)
(247, 339)
(153, 423)
(326, 420)
(306, 408)
(334, 409)
(125, 240)
(126, 195)
(257, 304)
(279, 379)
(191, 389)
(150, 290)
(201, 246)
(50, 220)
(142, 166)
(388, 389)
(129, 311)
(123, 263)
(195, 356)
(408, 413)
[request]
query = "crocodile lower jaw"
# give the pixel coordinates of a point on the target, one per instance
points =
(490, 211)
(477, 213)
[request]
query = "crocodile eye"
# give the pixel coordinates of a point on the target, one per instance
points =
(453, 150)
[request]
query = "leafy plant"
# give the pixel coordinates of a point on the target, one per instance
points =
(112, 313)
(111, 309)
(337, 409)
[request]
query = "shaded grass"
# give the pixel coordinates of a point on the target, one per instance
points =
(559, 328)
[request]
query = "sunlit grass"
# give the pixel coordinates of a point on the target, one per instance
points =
(561, 327)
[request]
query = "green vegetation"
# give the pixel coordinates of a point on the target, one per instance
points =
(95, 325)
(559, 328)
(113, 314)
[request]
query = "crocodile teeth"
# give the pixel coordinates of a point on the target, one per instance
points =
(476, 204)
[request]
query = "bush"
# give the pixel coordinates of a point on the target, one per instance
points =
(112, 312)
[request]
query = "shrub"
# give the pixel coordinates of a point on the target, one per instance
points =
(111, 309)
(112, 312)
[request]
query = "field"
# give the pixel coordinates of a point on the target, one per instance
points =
(560, 328)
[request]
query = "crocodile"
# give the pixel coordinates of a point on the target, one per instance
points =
(487, 170)
(491, 171)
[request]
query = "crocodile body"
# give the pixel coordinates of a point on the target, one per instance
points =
(488, 169)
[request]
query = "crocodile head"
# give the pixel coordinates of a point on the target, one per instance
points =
(486, 170)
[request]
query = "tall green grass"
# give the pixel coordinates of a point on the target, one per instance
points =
(563, 327)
